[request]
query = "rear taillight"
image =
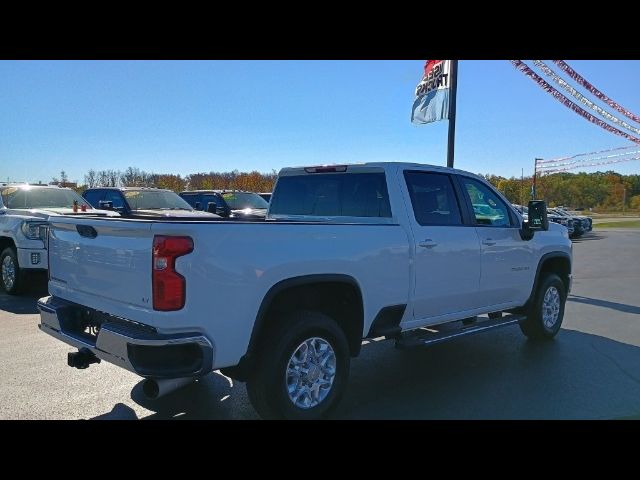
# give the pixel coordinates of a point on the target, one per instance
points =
(169, 287)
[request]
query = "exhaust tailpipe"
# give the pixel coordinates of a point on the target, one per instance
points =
(154, 388)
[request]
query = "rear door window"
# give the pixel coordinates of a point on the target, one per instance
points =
(433, 198)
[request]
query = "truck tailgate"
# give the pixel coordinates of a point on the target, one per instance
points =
(103, 259)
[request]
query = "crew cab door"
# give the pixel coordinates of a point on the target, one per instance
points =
(506, 260)
(447, 253)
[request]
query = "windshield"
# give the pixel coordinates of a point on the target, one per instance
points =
(155, 200)
(240, 201)
(34, 197)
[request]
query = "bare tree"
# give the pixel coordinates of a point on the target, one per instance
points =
(130, 177)
(103, 178)
(91, 178)
(113, 177)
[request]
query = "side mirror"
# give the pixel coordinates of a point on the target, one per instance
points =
(198, 206)
(538, 215)
(105, 205)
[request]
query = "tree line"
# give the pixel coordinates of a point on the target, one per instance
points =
(134, 177)
(599, 190)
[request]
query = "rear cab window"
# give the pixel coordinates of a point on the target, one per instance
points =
(338, 195)
(115, 197)
(192, 199)
(94, 197)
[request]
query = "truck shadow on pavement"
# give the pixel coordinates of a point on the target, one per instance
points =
(119, 412)
(588, 237)
(26, 302)
(214, 397)
(621, 307)
(497, 376)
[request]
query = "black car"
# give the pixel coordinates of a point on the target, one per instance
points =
(587, 222)
(142, 202)
(266, 196)
(228, 203)
(580, 227)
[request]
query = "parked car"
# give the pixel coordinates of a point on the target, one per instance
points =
(587, 222)
(24, 213)
(142, 202)
(348, 252)
(579, 225)
(232, 204)
(266, 196)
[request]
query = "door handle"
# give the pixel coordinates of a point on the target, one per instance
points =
(428, 243)
(489, 242)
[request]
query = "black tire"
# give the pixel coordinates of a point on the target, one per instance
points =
(534, 326)
(18, 281)
(267, 384)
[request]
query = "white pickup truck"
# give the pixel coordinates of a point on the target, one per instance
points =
(347, 252)
(24, 212)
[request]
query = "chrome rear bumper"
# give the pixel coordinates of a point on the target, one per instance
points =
(130, 345)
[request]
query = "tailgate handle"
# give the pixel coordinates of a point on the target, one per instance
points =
(87, 231)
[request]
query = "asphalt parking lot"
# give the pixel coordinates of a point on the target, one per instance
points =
(591, 370)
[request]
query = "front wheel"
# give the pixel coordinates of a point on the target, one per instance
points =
(302, 368)
(544, 316)
(12, 276)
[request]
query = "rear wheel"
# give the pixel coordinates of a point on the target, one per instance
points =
(544, 316)
(301, 369)
(12, 276)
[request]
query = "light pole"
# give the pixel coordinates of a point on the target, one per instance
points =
(534, 192)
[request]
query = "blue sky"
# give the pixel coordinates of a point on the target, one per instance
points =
(194, 116)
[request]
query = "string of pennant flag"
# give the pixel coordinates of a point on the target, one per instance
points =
(432, 104)
(601, 117)
(547, 165)
(601, 96)
(524, 68)
(595, 164)
(581, 98)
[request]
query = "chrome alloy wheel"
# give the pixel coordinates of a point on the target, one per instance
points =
(551, 307)
(310, 373)
(8, 273)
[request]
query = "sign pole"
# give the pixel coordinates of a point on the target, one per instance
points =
(453, 76)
